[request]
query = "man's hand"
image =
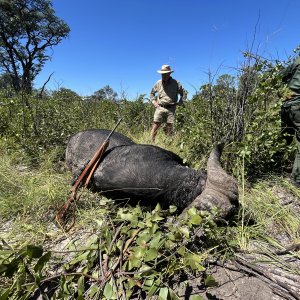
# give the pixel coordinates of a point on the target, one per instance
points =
(156, 105)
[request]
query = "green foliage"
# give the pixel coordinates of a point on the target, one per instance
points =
(263, 147)
(24, 190)
(28, 29)
(21, 266)
(242, 111)
(48, 122)
(193, 128)
(133, 250)
(264, 218)
(106, 93)
(137, 115)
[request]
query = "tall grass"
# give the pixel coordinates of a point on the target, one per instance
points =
(29, 196)
(269, 213)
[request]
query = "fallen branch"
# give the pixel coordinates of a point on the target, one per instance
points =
(278, 286)
(291, 248)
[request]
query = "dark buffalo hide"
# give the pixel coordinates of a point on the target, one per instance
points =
(150, 174)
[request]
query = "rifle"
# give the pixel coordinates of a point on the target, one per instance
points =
(87, 173)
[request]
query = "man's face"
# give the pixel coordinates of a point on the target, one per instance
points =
(165, 76)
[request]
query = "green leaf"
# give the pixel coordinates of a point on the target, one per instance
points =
(145, 268)
(34, 251)
(148, 222)
(153, 288)
(210, 281)
(66, 289)
(138, 252)
(157, 208)
(128, 294)
(93, 290)
(42, 261)
(134, 262)
(172, 209)
(94, 241)
(128, 217)
(194, 261)
(181, 250)
(163, 293)
(4, 296)
(151, 254)
(177, 236)
(131, 283)
(108, 291)
(143, 238)
(169, 244)
(156, 239)
(81, 289)
(79, 258)
(119, 244)
(185, 231)
(192, 211)
(196, 220)
(153, 228)
(196, 297)
(137, 210)
(173, 296)
(12, 267)
(148, 283)
(156, 217)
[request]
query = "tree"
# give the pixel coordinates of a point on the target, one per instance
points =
(226, 82)
(106, 93)
(28, 29)
(5, 81)
(66, 95)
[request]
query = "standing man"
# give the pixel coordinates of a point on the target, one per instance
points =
(290, 113)
(164, 97)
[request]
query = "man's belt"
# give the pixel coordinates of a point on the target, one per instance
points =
(167, 105)
(291, 101)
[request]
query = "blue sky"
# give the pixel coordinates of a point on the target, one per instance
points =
(122, 43)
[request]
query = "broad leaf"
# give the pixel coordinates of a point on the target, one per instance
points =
(151, 254)
(134, 262)
(108, 291)
(185, 231)
(163, 293)
(196, 220)
(42, 261)
(143, 238)
(172, 209)
(210, 281)
(34, 251)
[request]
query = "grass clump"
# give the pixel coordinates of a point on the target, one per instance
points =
(28, 196)
(269, 212)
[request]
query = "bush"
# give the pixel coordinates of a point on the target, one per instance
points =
(242, 111)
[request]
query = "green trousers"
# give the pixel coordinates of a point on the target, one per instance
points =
(290, 117)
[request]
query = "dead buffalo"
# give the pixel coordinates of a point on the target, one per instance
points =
(150, 174)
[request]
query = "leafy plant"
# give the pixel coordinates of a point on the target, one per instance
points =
(136, 251)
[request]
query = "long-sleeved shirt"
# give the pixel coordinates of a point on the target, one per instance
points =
(166, 92)
(291, 76)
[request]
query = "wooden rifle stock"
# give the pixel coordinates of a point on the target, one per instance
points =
(87, 172)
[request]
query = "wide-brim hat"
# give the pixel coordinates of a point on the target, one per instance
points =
(165, 69)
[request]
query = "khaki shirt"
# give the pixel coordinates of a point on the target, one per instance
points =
(167, 92)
